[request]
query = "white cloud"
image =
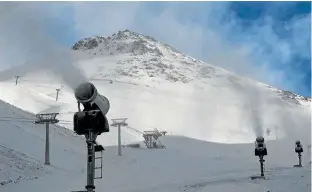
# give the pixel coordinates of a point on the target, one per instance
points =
(25, 39)
(103, 18)
(205, 30)
(200, 30)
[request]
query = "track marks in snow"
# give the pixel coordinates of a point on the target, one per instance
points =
(16, 166)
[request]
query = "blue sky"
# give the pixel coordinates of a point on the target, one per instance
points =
(266, 41)
(250, 11)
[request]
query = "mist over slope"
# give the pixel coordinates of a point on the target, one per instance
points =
(156, 86)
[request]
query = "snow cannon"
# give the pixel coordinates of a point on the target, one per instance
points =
(86, 93)
(260, 147)
(260, 151)
(92, 119)
(299, 150)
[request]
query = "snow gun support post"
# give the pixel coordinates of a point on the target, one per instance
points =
(91, 122)
(261, 151)
(299, 150)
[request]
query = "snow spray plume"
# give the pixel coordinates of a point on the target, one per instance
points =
(263, 110)
(24, 33)
(253, 102)
(294, 122)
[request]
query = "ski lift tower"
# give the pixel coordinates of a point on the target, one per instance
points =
(47, 118)
(16, 79)
(118, 123)
(57, 94)
(151, 138)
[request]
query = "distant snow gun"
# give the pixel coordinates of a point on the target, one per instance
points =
(299, 150)
(91, 122)
(260, 151)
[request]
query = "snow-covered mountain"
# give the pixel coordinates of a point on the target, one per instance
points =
(155, 86)
(163, 63)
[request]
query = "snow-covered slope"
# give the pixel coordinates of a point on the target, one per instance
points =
(156, 86)
(185, 165)
(22, 147)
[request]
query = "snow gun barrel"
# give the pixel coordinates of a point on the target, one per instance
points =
(87, 94)
(93, 117)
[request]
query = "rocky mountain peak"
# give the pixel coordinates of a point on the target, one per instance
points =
(124, 42)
